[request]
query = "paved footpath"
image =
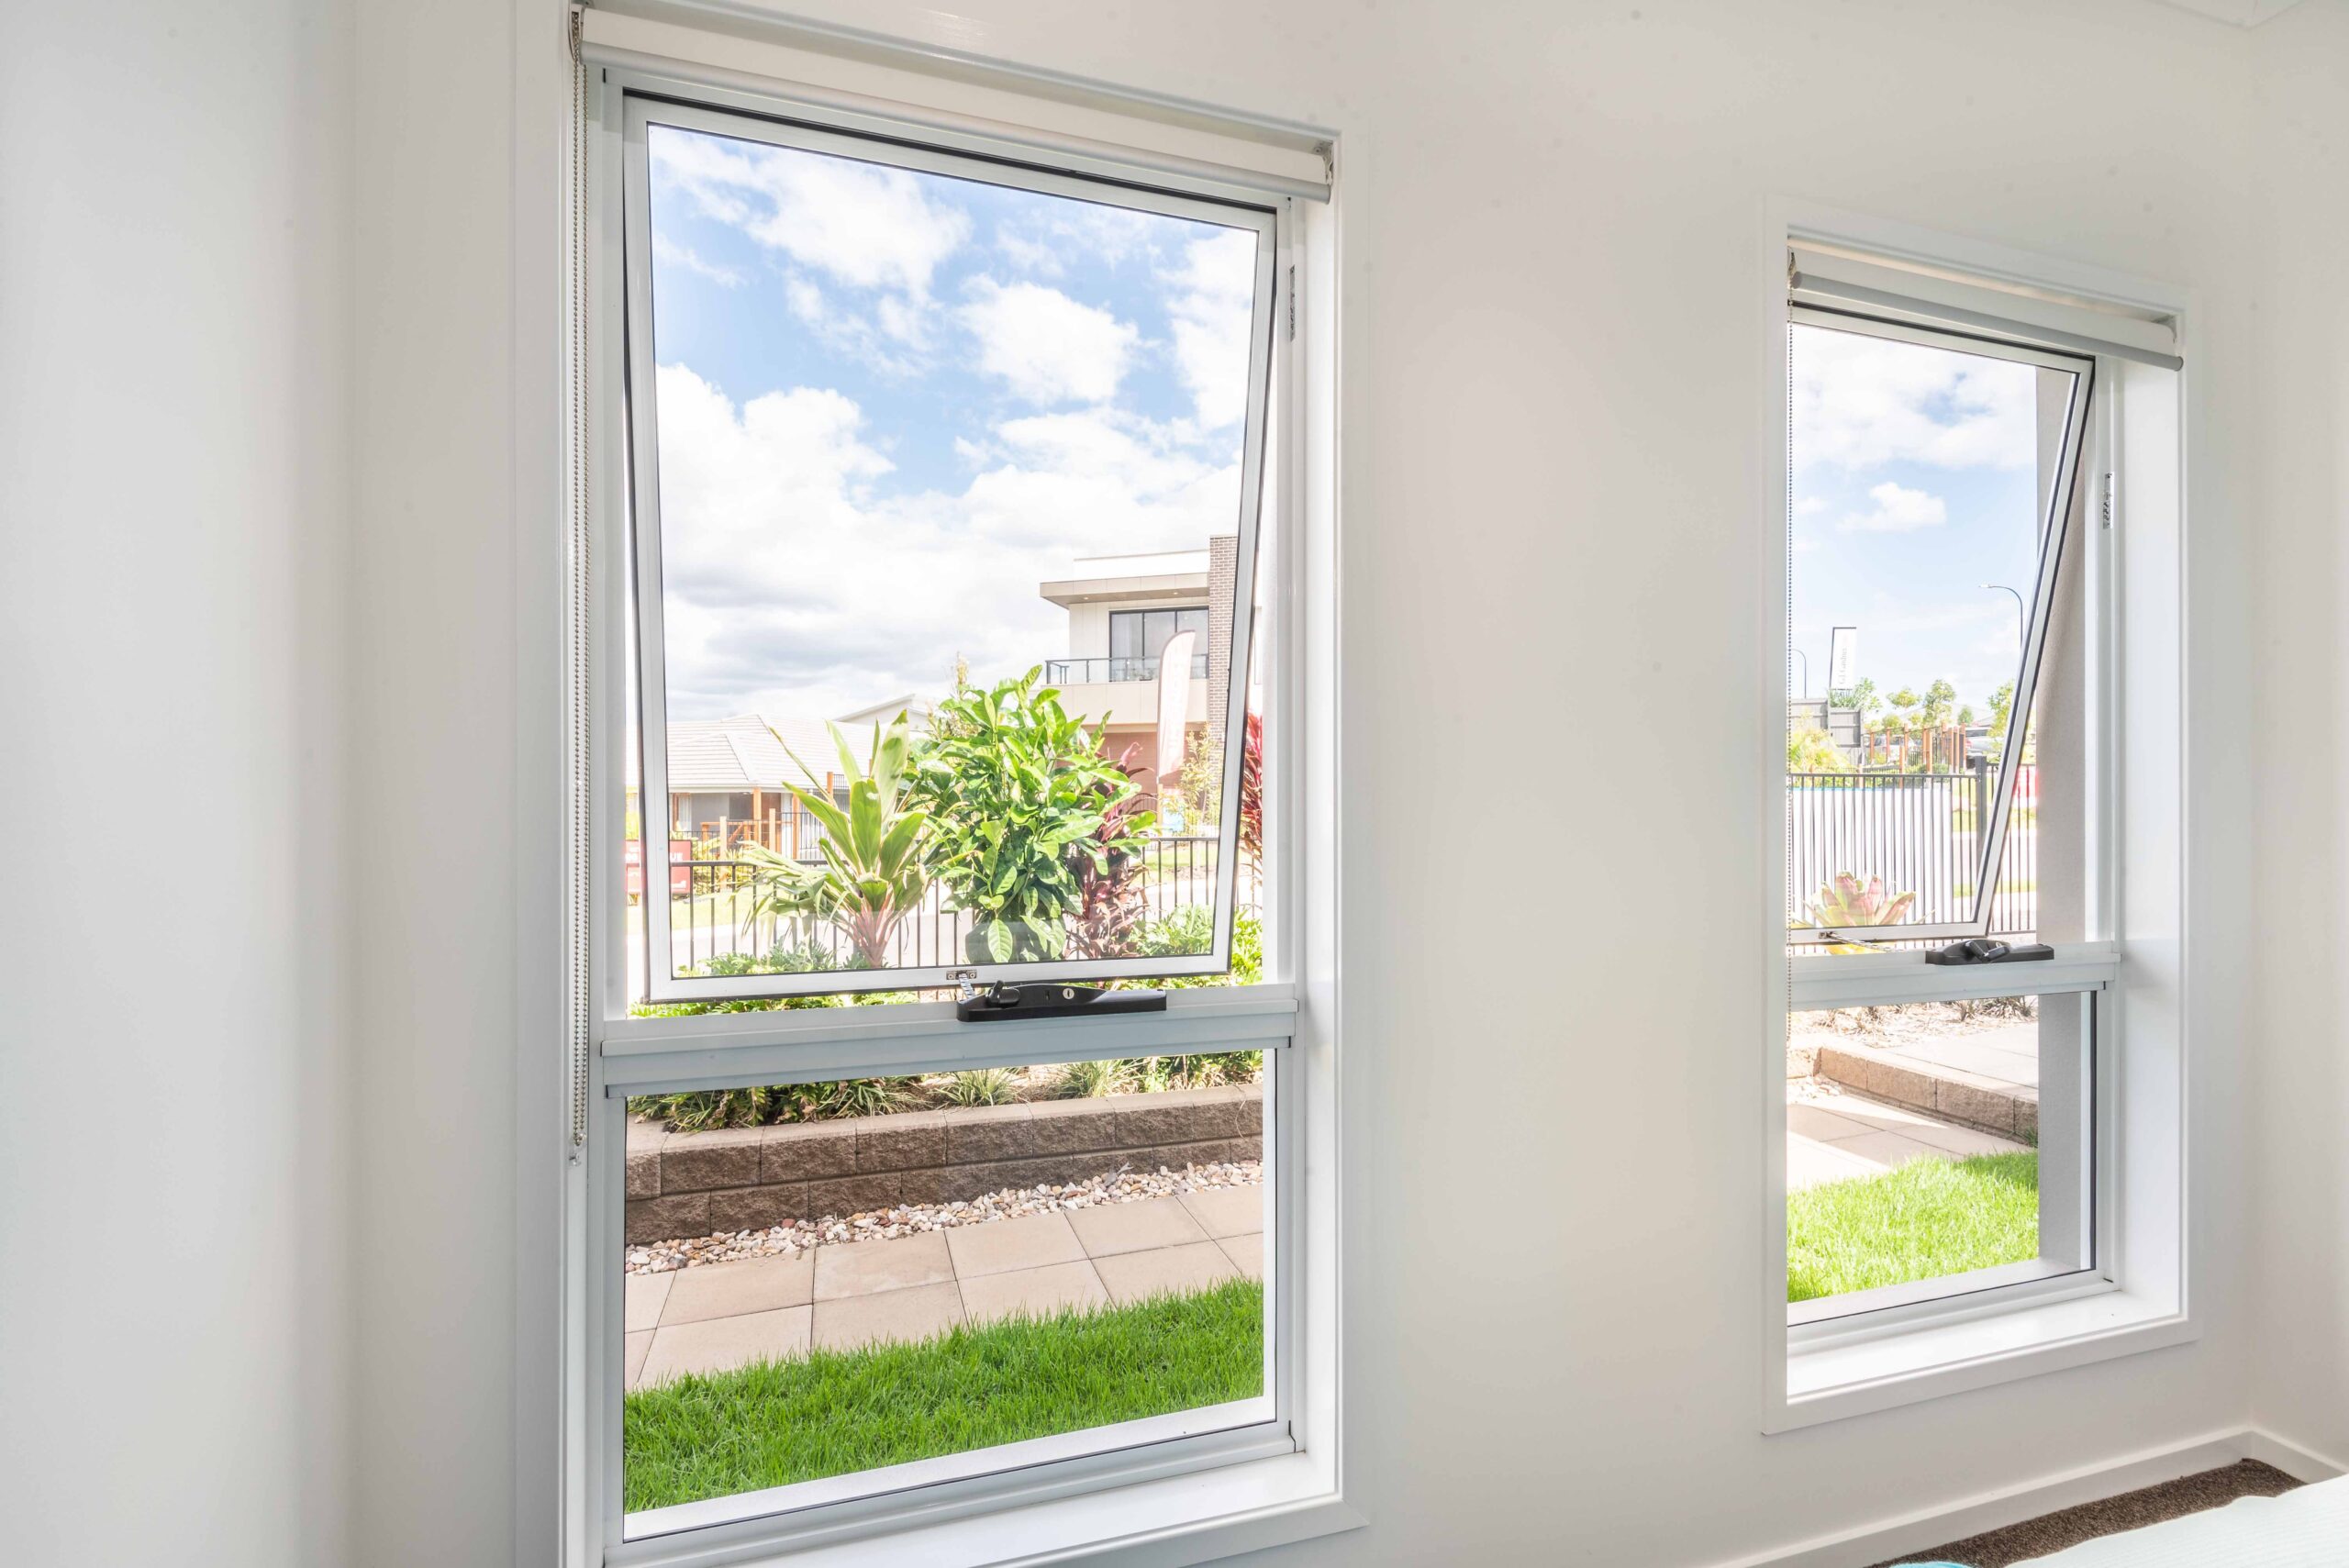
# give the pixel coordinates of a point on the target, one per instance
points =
(1851, 1135)
(716, 1316)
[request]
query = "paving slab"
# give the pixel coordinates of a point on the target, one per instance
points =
(722, 1344)
(922, 1312)
(1135, 1226)
(866, 1268)
(644, 1295)
(1809, 1163)
(1164, 1270)
(1001, 1246)
(1226, 1211)
(746, 1285)
(1033, 1292)
(1246, 1253)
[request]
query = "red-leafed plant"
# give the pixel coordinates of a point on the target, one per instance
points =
(1111, 901)
(1251, 787)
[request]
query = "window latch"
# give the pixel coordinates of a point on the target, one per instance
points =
(992, 1003)
(1989, 950)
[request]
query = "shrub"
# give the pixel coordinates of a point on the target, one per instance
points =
(1110, 902)
(981, 1086)
(1019, 794)
(1811, 750)
(1093, 1080)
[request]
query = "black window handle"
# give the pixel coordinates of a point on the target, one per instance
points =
(999, 1002)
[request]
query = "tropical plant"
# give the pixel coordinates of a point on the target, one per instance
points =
(1811, 750)
(1848, 902)
(1017, 793)
(876, 865)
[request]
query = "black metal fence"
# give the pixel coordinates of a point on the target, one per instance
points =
(714, 913)
(1921, 833)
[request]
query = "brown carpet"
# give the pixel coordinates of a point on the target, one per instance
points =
(2069, 1527)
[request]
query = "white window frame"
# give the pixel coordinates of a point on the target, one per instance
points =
(2131, 500)
(632, 101)
(1196, 1486)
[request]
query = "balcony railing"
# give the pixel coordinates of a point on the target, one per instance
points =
(1081, 672)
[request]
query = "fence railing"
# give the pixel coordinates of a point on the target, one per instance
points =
(1921, 833)
(1078, 672)
(714, 912)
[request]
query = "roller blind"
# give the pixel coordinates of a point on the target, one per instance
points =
(949, 91)
(1832, 279)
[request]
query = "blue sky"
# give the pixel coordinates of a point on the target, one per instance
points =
(891, 403)
(1914, 476)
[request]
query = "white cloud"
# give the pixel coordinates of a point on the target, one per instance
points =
(1899, 510)
(1041, 242)
(1211, 298)
(863, 224)
(670, 251)
(793, 587)
(1047, 347)
(1864, 401)
(1809, 506)
(889, 340)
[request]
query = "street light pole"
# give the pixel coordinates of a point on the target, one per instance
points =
(2022, 613)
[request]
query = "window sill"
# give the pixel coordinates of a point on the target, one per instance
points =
(1854, 1377)
(1180, 1520)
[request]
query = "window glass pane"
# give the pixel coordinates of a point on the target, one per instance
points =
(916, 433)
(824, 1282)
(1937, 1147)
(1920, 480)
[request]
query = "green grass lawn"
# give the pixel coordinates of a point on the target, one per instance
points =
(1924, 1221)
(834, 1412)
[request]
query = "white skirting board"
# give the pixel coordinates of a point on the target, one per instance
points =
(1995, 1511)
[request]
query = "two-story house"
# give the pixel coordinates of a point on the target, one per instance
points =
(1123, 610)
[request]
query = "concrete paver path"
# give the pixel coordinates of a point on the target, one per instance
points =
(1851, 1135)
(840, 1295)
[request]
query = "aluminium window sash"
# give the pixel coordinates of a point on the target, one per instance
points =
(2056, 509)
(631, 112)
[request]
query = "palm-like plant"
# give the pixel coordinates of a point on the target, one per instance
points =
(876, 849)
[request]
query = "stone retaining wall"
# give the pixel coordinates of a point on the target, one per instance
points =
(2010, 1111)
(695, 1183)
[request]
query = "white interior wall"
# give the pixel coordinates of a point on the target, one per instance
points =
(2300, 517)
(1554, 216)
(175, 1303)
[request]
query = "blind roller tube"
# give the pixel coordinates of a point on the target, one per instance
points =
(1829, 278)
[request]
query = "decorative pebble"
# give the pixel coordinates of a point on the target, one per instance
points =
(908, 1219)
